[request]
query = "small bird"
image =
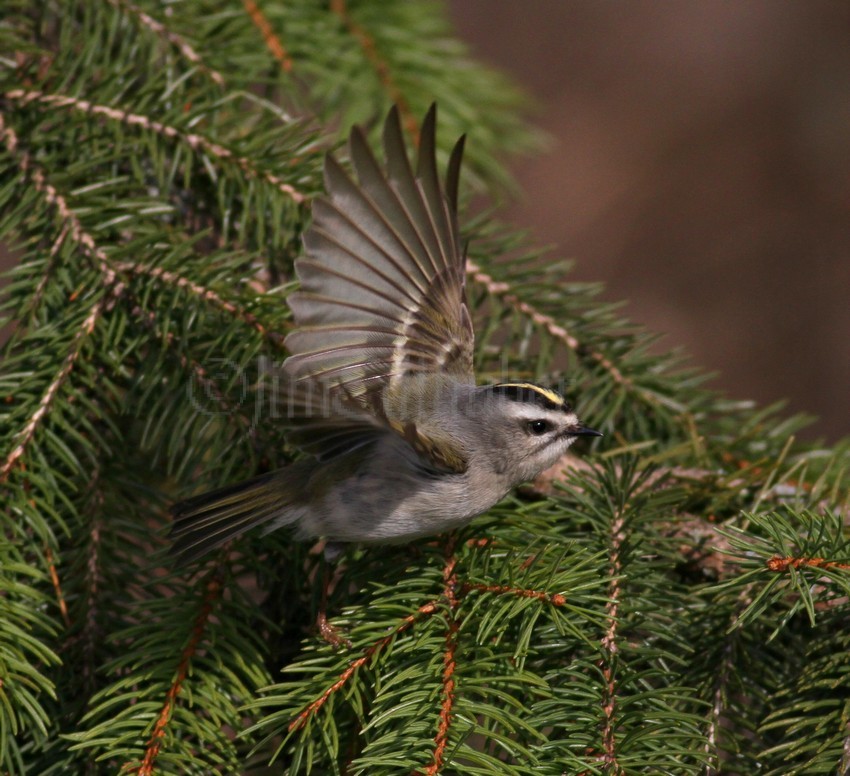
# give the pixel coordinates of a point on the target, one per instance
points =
(378, 390)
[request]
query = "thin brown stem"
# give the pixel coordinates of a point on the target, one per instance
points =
(380, 65)
(57, 587)
(304, 716)
(159, 29)
(610, 647)
(154, 745)
(272, 41)
(779, 564)
(447, 691)
(194, 140)
(25, 435)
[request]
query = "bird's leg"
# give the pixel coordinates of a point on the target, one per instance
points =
(331, 553)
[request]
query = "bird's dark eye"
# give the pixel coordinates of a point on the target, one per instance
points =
(538, 427)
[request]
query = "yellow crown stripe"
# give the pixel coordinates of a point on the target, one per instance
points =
(546, 393)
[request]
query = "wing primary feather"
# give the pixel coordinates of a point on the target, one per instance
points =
(385, 198)
(323, 269)
(354, 227)
(300, 296)
(306, 358)
(344, 328)
(366, 265)
(403, 184)
(429, 183)
(420, 347)
(362, 210)
(426, 163)
(395, 150)
(342, 368)
(453, 177)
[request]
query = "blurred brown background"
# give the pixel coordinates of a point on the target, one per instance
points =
(701, 168)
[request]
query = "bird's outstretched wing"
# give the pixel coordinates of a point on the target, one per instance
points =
(382, 285)
(382, 297)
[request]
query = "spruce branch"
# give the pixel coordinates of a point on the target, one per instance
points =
(380, 65)
(27, 432)
(193, 140)
(303, 716)
(212, 590)
(504, 290)
(30, 309)
(134, 269)
(91, 583)
(54, 199)
(450, 617)
(25, 659)
(609, 645)
(169, 339)
(447, 691)
(146, 21)
(714, 732)
(272, 41)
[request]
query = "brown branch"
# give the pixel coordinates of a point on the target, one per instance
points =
(113, 287)
(34, 302)
(207, 294)
(715, 727)
(780, 564)
(367, 43)
(441, 740)
(195, 141)
(556, 599)
(503, 291)
(57, 588)
(148, 319)
(70, 224)
(53, 198)
(609, 645)
(158, 28)
(25, 435)
(452, 594)
(448, 693)
(271, 40)
(90, 631)
(301, 719)
(213, 592)
(103, 263)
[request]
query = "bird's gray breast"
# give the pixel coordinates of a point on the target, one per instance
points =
(393, 498)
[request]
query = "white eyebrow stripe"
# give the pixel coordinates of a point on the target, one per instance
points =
(533, 412)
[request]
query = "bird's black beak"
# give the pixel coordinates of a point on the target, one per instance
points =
(582, 430)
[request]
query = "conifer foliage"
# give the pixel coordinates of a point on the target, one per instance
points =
(672, 600)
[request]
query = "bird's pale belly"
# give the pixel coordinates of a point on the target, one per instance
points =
(364, 510)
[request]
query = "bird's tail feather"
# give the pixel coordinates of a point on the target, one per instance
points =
(207, 521)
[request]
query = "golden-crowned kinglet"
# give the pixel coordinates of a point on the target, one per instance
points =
(378, 389)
